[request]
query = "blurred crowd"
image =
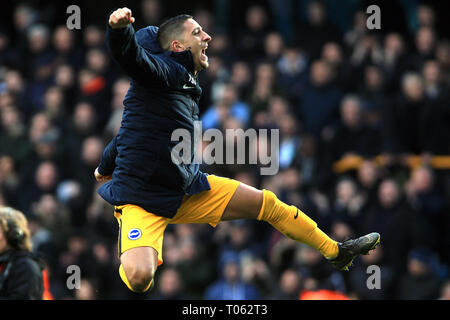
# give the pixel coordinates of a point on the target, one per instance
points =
(333, 88)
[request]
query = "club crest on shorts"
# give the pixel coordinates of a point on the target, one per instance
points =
(134, 234)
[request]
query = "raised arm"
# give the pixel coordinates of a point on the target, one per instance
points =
(121, 41)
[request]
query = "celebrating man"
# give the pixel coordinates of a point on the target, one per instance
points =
(148, 189)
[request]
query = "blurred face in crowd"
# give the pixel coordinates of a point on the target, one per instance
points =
(120, 90)
(277, 108)
(388, 193)
(310, 256)
(86, 291)
(425, 39)
(273, 44)
(93, 36)
(188, 250)
(84, 116)
(393, 43)
(264, 73)
(40, 124)
(10, 118)
(97, 60)
(443, 53)
(256, 18)
(445, 291)
(53, 100)
(412, 87)
(359, 21)
(417, 267)
(351, 112)
(6, 166)
(4, 41)
(23, 17)
(332, 53)
(229, 94)
(291, 179)
(288, 125)
(422, 180)
(239, 236)
(63, 39)
(367, 174)
(38, 38)
(170, 282)
(425, 16)
(47, 208)
(151, 11)
(431, 72)
(14, 81)
(373, 78)
(231, 272)
(320, 73)
(316, 13)
(64, 76)
(77, 244)
(290, 282)
(92, 151)
(240, 73)
(46, 176)
(345, 191)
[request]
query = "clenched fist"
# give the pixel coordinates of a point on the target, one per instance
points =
(120, 18)
(101, 178)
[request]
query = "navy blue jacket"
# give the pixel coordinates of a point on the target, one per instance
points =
(163, 96)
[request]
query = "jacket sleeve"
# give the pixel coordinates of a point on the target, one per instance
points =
(107, 161)
(140, 65)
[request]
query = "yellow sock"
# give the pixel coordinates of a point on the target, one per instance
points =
(296, 225)
(125, 280)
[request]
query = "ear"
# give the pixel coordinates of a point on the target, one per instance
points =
(177, 46)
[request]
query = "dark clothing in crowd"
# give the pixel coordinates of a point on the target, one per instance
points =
(20, 276)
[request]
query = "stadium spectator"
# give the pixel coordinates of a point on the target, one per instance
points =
(20, 270)
(319, 103)
(445, 291)
(407, 125)
(420, 282)
(250, 41)
(230, 286)
(289, 286)
(352, 137)
(317, 30)
(170, 286)
(402, 227)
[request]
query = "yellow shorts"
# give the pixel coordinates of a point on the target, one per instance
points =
(140, 228)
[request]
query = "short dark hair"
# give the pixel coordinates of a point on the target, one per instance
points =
(170, 29)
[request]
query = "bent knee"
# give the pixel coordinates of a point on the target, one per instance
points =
(139, 277)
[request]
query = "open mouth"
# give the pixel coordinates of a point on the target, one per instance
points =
(203, 54)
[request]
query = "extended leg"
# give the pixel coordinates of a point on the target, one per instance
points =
(251, 203)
